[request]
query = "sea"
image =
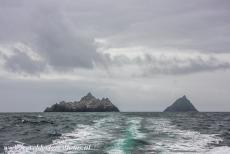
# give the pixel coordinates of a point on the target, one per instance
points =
(115, 133)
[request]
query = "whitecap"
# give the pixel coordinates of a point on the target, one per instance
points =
(40, 116)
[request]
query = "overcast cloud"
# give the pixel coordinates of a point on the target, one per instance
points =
(106, 44)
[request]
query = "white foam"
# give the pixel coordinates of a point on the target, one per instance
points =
(219, 150)
(170, 139)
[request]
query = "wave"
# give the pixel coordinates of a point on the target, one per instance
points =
(36, 122)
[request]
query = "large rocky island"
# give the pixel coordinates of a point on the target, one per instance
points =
(181, 105)
(87, 103)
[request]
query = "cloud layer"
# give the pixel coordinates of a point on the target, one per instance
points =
(66, 35)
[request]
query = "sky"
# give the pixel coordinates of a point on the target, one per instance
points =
(143, 55)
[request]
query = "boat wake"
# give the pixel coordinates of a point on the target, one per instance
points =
(122, 134)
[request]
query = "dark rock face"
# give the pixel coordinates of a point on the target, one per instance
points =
(181, 105)
(87, 103)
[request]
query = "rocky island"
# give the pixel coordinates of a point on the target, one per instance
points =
(181, 105)
(88, 103)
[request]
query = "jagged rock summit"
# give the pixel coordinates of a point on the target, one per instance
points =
(181, 105)
(88, 103)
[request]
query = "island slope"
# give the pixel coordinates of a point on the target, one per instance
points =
(87, 103)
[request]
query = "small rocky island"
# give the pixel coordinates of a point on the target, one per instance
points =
(181, 105)
(87, 103)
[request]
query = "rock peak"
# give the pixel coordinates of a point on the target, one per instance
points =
(184, 97)
(89, 96)
(181, 105)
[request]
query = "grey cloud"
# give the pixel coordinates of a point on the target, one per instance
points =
(46, 31)
(151, 65)
(20, 62)
(64, 48)
(195, 24)
(193, 66)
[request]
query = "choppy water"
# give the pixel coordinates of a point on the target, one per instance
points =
(115, 133)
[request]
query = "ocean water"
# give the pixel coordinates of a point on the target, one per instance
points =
(115, 133)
